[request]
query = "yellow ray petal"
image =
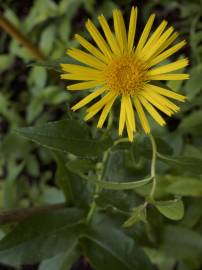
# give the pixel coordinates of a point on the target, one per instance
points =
(165, 45)
(157, 117)
(168, 77)
(79, 69)
(86, 58)
(151, 50)
(109, 36)
(120, 29)
(164, 102)
(95, 34)
(122, 117)
(169, 67)
(82, 77)
(154, 101)
(166, 92)
(155, 36)
(88, 98)
(116, 29)
(145, 34)
(101, 102)
(132, 28)
(130, 113)
(92, 49)
(167, 53)
(105, 112)
(83, 85)
(91, 114)
(129, 130)
(94, 109)
(141, 114)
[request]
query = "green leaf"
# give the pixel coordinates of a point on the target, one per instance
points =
(32, 165)
(49, 64)
(138, 214)
(62, 179)
(50, 195)
(171, 209)
(193, 213)
(5, 61)
(194, 85)
(185, 186)
(81, 165)
(192, 123)
(68, 136)
(142, 146)
(69, 8)
(120, 200)
(181, 243)
(38, 77)
(12, 17)
(62, 261)
(106, 244)
(47, 39)
(187, 164)
(107, 8)
(75, 189)
(41, 236)
(122, 165)
(54, 64)
(10, 198)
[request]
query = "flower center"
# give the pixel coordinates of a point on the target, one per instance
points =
(126, 75)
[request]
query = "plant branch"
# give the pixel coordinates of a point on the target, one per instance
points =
(153, 166)
(15, 33)
(21, 214)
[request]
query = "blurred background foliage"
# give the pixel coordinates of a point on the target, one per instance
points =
(32, 94)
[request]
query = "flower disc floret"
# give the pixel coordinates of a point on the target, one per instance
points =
(126, 75)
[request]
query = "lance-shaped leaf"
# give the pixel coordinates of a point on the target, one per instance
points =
(41, 236)
(69, 136)
(188, 164)
(107, 247)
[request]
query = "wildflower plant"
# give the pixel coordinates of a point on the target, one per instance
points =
(117, 67)
(119, 173)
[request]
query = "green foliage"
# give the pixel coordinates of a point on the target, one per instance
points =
(109, 245)
(138, 214)
(46, 235)
(68, 136)
(171, 209)
(111, 218)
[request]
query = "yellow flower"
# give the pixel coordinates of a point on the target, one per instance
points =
(116, 68)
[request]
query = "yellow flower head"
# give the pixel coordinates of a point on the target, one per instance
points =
(118, 68)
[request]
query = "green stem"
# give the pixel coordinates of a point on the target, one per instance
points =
(125, 185)
(93, 204)
(118, 185)
(153, 167)
(121, 140)
(98, 187)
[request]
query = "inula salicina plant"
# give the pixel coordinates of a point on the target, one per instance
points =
(101, 150)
